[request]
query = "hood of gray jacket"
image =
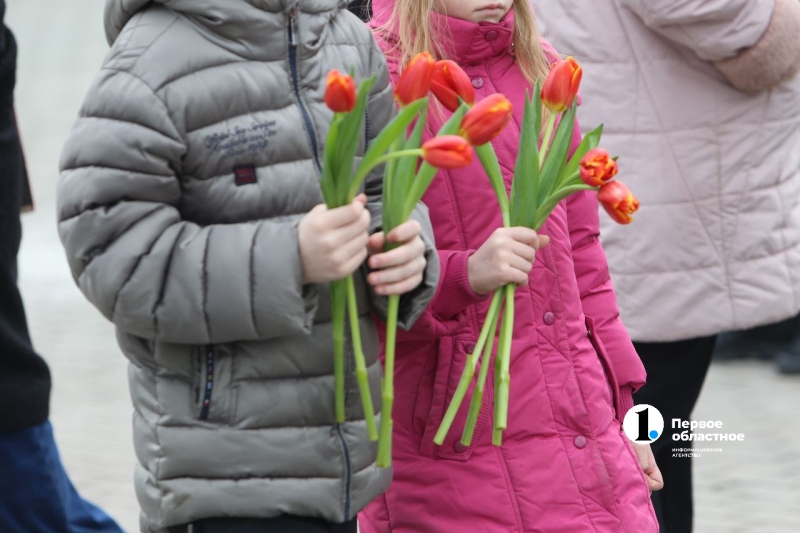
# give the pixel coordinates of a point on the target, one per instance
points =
(226, 17)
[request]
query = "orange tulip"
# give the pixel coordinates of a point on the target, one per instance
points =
(340, 92)
(562, 84)
(487, 119)
(450, 83)
(618, 201)
(597, 167)
(415, 81)
(447, 151)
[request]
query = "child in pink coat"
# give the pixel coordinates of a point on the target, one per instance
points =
(565, 465)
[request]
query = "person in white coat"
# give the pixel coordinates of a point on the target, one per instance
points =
(701, 101)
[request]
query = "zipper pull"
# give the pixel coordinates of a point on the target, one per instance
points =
(293, 26)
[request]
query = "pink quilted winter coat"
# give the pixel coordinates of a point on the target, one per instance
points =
(564, 466)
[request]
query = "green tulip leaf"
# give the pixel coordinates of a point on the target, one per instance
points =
(349, 139)
(329, 162)
(525, 188)
(426, 171)
(538, 109)
(394, 130)
(400, 188)
(556, 157)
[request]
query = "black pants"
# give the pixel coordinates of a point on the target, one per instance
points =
(675, 374)
(281, 524)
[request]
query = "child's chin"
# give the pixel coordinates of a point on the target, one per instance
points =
(489, 16)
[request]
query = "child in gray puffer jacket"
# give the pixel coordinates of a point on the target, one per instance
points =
(190, 210)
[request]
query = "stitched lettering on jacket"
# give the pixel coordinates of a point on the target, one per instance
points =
(238, 141)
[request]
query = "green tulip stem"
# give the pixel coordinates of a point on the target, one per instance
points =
(548, 137)
(469, 370)
(338, 303)
(491, 165)
(419, 186)
(361, 365)
(504, 378)
(385, 440)
(547, 207)
(477, 396)
(565, 181)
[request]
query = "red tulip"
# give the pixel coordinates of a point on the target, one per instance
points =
(597, 167)
(562, 84)
(340, 92)
(450, 83)
(487, 119)
(415, 81)
(447, 151)
(618, 201)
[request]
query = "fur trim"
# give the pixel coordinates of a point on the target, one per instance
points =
(774, 59)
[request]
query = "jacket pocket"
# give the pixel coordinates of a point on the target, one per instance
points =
(213, 395)
(451, 359)
(208, 388)
(204, 361)
(608, 368)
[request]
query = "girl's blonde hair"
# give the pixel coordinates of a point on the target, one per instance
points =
(411, 24)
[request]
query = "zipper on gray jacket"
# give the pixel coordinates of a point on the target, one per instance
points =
(345, 449)
(293, 41)
(209, 386)
(347, 471)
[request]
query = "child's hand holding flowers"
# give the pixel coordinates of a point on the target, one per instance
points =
(400, 270)
(506, 257)
(333, 242)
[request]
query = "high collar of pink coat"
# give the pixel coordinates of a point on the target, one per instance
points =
(462, 41)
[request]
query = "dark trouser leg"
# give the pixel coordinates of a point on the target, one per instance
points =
(675, 375)
(281, 524)
(789, 357)
(36, 496)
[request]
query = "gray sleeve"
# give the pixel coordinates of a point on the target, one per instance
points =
(713, 29)
(381, 110)
(147, 270)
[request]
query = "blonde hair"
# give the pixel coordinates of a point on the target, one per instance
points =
(411, 25)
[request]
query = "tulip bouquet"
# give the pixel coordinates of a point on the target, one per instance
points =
(544, 175)
(403, 188)
(340, 184)
(405, 182)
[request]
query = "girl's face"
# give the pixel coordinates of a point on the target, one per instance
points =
(476, 10)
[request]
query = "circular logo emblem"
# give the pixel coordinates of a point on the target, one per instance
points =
(643, 423)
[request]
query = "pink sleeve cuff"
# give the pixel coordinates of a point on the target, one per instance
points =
(454, 294)
(625, 402)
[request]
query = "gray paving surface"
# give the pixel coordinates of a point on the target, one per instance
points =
(752, 486)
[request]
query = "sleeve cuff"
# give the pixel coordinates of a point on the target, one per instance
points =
(625, 402)
(455, 293)
(774, 59)
(281, 304)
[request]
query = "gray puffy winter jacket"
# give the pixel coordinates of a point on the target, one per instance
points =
(196, 153)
